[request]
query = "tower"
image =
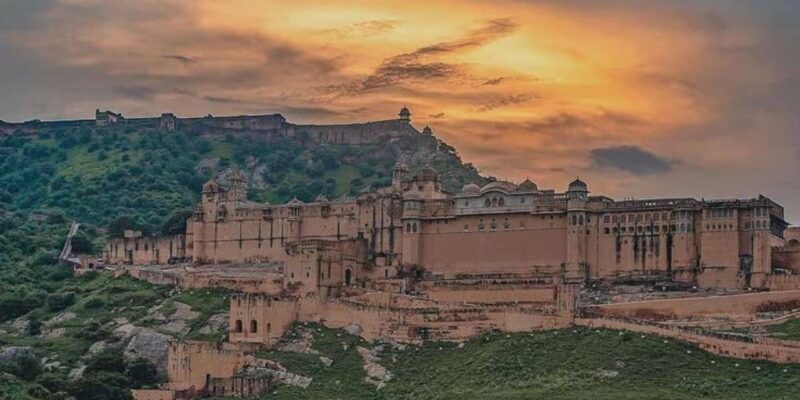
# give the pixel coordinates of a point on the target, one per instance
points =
(399, 174)
(405, 115)
(238, 186)
(577, 219)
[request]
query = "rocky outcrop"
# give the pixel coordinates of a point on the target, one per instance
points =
(217, 323)
(11, 353)
(151, 345)
(377, 374)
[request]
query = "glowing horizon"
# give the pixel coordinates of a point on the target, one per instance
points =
(686, 98)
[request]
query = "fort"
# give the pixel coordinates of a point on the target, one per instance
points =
(267, 127)
(411, 262)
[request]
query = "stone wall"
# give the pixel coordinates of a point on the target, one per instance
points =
(737, 305)
(763, 349)
(145, 250)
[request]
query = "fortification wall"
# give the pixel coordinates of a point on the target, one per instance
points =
(191, 364)
(738, 305)
(762, 349)
(783, 282)
(145, 250)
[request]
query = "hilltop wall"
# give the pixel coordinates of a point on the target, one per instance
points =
(270, 127)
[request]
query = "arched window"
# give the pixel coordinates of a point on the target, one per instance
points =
(501, 202)
(488, 203)
(238, 326)
(408, 227)
(253, 326)
(269, 327)
(414, 227)
(574, 220)
(580, 220)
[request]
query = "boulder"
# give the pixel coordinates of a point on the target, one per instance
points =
(53, 333)
(10, 353)
(76, 373)
(150, 345)
(96, 348)
(353, 329)
(217, 323)
(63, 317)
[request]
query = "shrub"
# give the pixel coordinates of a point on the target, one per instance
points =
(141, 372)
(59, 301)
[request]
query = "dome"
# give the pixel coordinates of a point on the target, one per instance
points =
(528, 186)
(321, 199)
(427, 174)
(503, 186)
(405, 113)
(211, 187)
(578, 186)
(427, 130)
(471, 188)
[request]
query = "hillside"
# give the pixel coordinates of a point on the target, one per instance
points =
(137, 177)
(129, 176)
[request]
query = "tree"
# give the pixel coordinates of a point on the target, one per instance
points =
(176, 224)
(117, 227)
(141, 372)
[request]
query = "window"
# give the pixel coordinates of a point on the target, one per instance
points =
(580, 220)
(574, 220)
(522, 200)
(488, 203)
(466, 227)
(466, 203)
(607, 231)
(253, 326)
(606, 219)
(238, 326)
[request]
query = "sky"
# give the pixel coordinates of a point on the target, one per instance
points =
(639, 99)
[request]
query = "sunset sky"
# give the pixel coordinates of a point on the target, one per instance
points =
(639, 98)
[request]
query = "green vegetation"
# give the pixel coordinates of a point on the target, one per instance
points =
(563, 364)
(789, 330)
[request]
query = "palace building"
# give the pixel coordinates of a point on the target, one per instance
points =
(500, 229)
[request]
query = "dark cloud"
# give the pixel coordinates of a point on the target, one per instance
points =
(425, 63)
(185, 60)
(363, 29)
(436, 116)
(495, 81)
(506, 101)
(631, 159)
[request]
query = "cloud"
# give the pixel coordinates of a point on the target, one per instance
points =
(632, 159)
(185, 60)
(362, 29)
(506, 101)
(495, 81)
(436, 116)
(426, 63)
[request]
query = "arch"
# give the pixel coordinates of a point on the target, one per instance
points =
(488, 203)
(501, 202)
(253, 326)
(348, 277)
(269, 327)
(238, 326)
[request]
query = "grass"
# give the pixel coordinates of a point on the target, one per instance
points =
(789, 330)
(565, 364)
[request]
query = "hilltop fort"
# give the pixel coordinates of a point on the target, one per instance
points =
(268, 127)
(412, 262)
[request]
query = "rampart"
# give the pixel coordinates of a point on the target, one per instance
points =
(779, 351)
(735, 306)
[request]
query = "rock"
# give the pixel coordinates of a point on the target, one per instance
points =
(124, 332)
(377, 374)
(63, 317)
(76, 373)
(175, 322)
(53, 333)
(353, 329)
(151, 345)
(217, 323)
(10, 353)
(20, 324)
(327, 361)
(52, 366)
(96, 348)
